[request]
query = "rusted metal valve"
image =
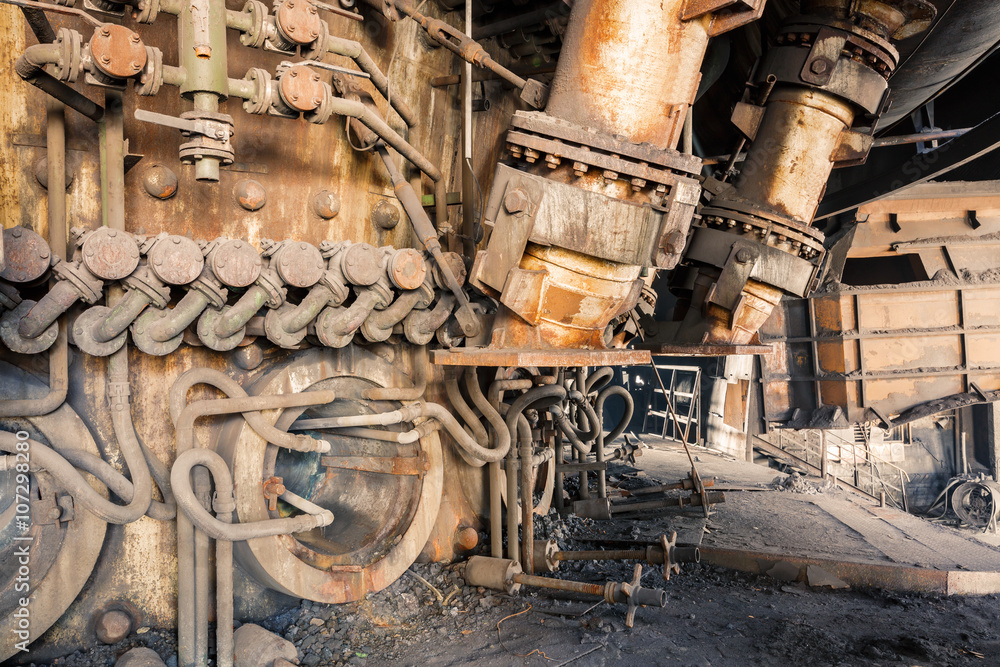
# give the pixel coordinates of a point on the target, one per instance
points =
(503, 574)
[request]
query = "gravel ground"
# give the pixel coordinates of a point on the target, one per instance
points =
(713, 616)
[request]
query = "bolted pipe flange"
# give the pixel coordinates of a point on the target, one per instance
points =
(407, 269)
(206, 331)
(457, 266)
(235, 263)
(26, 255)
(82, 333)
(263, 91)
(360, 264)
(9, 323)
(117, 52)
(176, 260)
(298, 22)
(301, 89)
(110, 254)
(257, 34)
(299, 264)
(544, 556)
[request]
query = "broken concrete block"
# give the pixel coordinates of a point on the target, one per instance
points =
(783, 571)
(817, 576)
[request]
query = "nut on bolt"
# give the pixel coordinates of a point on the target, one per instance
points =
(516, 201)
(326, 204)
(159, 182)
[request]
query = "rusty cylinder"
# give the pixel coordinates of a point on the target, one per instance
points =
(630, 68)
(791, 158)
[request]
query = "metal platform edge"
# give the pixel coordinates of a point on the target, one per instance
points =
(665, 350)
(492, 357)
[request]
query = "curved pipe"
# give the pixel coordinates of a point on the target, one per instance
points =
(299, 317)
(30, 68)
(48, 309)
(124, 429)
(357, 53)
(335, 327)
(598, 380)
(378, 326)
(187, 502)
(116, 482)
(240, 313)
(420, 365)
(595, 425)
(471, 418)
(371, 120)
(420, 325)
(622, 393)
(232, 389)
(174, 321)
(71, 480)
(567, 428)
(121, 316)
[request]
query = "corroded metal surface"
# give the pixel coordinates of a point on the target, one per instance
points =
(538, 358)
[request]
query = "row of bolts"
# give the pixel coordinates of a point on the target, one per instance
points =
(148, 267)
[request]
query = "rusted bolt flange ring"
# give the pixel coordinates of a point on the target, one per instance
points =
(301, 88)
(299, 21)
(299, 264)
(26, 255)
(110, 254)
(360, 264)
(176, 260)
(117, 51)
(236, 263)
(407, 269)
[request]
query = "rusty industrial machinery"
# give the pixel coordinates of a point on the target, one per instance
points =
(295, 294)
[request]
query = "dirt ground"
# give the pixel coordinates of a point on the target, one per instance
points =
(712, 616)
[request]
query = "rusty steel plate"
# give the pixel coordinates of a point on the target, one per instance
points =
(117, 51)
(299, 21)
(110, 254)
(360, 264)
(176, 260)
(236, 263)
(484, 356)
(299, 264)
(407, 269)
(301, 88)
(669, 350)
(26, 255)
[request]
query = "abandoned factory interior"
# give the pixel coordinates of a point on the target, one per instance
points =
(499, 332)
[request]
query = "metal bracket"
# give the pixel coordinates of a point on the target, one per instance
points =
(55, 509)
(824, 56)
(400, 465)
(727, 291)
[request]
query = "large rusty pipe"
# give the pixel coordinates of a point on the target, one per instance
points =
(791, 158)
(30, 67)
(630, 67)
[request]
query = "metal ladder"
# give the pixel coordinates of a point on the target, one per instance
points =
(688, 419)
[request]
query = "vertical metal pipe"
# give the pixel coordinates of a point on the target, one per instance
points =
(630, 68)
(513, 552)
(527, 506)
(468, 177)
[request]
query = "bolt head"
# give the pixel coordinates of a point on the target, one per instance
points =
(743, 255)
(516, 201)
(819, 66)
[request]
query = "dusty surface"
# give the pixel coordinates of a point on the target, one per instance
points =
(712, 617)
